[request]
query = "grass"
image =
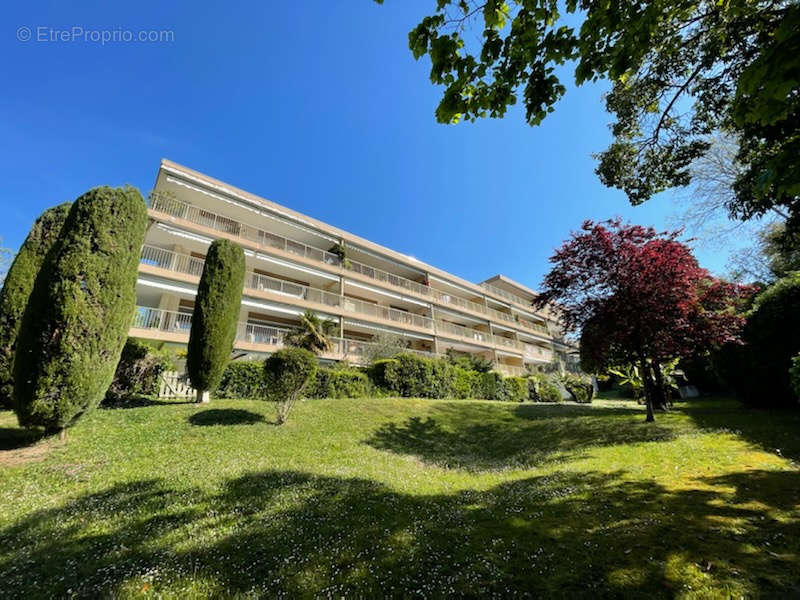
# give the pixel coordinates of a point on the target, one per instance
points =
(387, 497)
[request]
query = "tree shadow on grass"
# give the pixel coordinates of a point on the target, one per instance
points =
(13, 438)
(225, 416)
(284, 533)
(482, 437)
(140, 402)
(776, 431)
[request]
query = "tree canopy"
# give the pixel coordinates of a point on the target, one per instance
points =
(639, 296)
(679, 70)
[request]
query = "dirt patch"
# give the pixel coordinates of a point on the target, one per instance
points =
(35, 453)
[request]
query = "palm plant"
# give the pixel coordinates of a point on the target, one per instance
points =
(313, 334)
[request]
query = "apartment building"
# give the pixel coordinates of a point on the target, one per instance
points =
(296, 263)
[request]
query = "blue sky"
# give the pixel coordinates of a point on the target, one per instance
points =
(315, 105)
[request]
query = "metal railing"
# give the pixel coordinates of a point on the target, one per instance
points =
(167, 259)
(183, 210)
(506, 342)
(511, 370)
(386, 313)
(162, 320)
(252, 333)
(463, 332)
(506, 295)
(257, 281)
(537, 351)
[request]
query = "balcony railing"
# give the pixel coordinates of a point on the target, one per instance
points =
(167, 259)
(176, 322)
(511, 370)
(506, 295)
(183, 210)
(534, 351)
(256, 281)
(464, 332)
(388, 314)
(507, 342)
(162, 320)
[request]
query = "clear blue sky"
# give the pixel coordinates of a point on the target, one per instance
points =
(317, 105)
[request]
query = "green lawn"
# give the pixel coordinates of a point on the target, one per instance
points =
(404, 498)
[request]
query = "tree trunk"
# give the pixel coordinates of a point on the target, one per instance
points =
(661, 392)
(203, 396)
(648, 391)
(62, 435)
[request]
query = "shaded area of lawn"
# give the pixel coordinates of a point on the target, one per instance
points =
(349, 498)
(478, 437)
(775, 431)
(225, 416)
(289, 533)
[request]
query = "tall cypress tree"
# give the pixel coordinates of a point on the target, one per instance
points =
(79, 312)
(216, 313)
(17, 288)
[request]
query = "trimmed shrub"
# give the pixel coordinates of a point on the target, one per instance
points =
(215, 316)
(516, 389)
(580, 388)
(466, 384)
(339, 383)
(17, 288)
(138, 371)
(242, 379)
(77, 318)
(287, 373)
(542, 389)
(413, 376)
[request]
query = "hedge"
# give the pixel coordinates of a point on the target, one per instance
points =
(242, 379)
(580, 388)
(79, 312)
(339, 383)
(17, 288)
(216, 314)
(542, 389)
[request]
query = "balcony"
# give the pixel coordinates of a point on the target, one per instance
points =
(445, 328)
(167, 259)
(155, 319)
(388, 314)
(511, 370)
(537, 352)
(506, 295)
(173, 207)
(183, 210)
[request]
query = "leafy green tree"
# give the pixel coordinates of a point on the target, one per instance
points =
(17, 288)
(79, 311)
(679, 72)
(287, 373)
(313, 334)
(215, 316)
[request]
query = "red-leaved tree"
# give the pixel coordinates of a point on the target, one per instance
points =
(638, 296)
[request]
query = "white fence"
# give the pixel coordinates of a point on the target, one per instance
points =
(173, 385)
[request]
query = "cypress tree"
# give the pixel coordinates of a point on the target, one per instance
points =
(215, 316)
(79, 312)
(17, 287)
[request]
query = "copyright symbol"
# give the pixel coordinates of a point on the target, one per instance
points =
(24, 34)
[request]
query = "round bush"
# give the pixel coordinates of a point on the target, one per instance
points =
(287, 372)
(17, 288)
(138, 371)
(79, 312)
(216, 315)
